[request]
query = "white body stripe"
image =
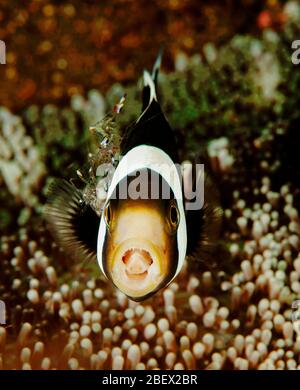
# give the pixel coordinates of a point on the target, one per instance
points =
(138, 158)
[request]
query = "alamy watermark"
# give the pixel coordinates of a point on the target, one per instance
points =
(149, 184)
(2, 53)
(295, 58)
(2, 313)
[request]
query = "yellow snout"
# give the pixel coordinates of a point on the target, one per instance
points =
(138, 251)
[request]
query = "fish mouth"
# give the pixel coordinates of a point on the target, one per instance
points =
(136, 268)
(137, 276)
(137, 262)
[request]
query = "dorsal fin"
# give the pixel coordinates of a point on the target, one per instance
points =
(156, 66)
(149, 92)
(151, 127)
(150, 83)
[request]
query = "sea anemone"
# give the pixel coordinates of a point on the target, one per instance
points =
(234, 312)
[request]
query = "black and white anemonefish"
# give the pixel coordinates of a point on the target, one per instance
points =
(141, 235)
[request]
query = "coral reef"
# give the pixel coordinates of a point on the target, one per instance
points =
(80, 46)
(232, 313)
(20, 165)
(240, 321)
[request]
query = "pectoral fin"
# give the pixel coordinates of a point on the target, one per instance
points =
(72, 221)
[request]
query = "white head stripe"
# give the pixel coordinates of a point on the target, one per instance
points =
(142, 157)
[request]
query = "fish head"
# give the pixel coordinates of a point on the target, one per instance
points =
(142, 233)
(140, 253)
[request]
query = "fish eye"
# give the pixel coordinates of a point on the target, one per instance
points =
(173, 215)
(108, 214)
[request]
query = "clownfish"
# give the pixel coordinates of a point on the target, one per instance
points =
(141, 235)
